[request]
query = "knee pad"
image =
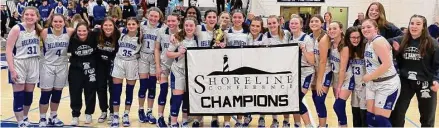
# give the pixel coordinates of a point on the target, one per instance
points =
(381, 121)
(319, 102)
(152, 87)
(28, 97)
(370, 119)
(176, 104)
(340, 110)
(302, 106)
(56, 96)
(129, 94)
(185, 107)
(18, 101)
(45, 97)
(117, 91)
(142, 89)
(163, 93)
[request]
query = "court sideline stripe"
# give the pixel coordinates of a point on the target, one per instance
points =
(33, 109)
(406, 118)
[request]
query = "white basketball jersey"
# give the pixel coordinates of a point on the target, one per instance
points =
(55, 47)
(164, 39)
(373, 61)
(179, 62)
(27, 44)
(237, 37)
(334, 59)
(317, 54)
(204, 36)
(128, 47)
(257, 41)
(358, 68)
(150, 34)
(309, 46)
(270, 39)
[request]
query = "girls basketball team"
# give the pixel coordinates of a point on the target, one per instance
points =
(373, 64)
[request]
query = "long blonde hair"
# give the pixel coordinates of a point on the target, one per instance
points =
(280, 32)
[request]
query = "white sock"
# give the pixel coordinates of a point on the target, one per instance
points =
(141, 108)
(160, 114)
(184, 120)
(148, 110)
(20, 122)
(52, 113)
(126, 112)
(297, 123)
(42, 115)
(226, 123)
(24, 117)
(116, 114)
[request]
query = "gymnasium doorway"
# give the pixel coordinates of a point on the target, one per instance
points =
(340, 14)
(303, 11)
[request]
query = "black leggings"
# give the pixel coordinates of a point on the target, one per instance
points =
(104, 81)
(427, 100)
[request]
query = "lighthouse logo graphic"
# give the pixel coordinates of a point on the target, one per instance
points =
(245, 70)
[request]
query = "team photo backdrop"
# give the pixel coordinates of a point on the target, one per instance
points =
(243, 80)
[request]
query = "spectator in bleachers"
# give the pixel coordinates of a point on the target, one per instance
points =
(91, 5)
(328, 20)
(60, 9)
(84, 12)
(127, 10)
(359, 19)
(282, 23)
(75, 20)
(15, 19)
(33, 3)
(99, 12)
(71, 8)
(220, 5)
(404, 30)
(4, 18)
(114, 10)
(20, 7)
(433, 29)
(162, 5)
(45, 10)
(151, 3)
(236, 4)
(116, 21)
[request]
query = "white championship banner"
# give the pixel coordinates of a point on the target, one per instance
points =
(262, 80)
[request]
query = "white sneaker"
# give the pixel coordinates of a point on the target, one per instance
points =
(102, 117)
(43, 122)
(88, 119)
(110, 118)
(75, 121)
(26, 122)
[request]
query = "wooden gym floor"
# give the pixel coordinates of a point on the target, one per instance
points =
(64, 111)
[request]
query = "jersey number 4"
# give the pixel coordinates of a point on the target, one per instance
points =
(58, 52)
(32, 50)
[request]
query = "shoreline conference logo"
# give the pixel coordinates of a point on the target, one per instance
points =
(243, 87)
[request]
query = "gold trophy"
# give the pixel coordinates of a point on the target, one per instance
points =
(218, 35)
